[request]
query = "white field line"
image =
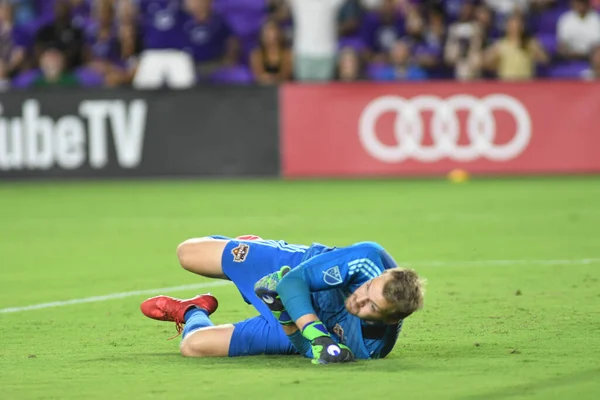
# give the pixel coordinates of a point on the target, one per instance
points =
(121, 295)
(113, 296)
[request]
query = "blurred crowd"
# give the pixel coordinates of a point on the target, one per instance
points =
(99, 42)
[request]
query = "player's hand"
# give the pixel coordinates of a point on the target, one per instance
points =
(265, 290)
(325, 349)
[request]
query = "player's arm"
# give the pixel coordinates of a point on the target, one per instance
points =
(265, 290)
(312, 339)
(287, 294)
(323, 272)
(330, 270)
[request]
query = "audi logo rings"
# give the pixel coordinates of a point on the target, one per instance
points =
(445, 128)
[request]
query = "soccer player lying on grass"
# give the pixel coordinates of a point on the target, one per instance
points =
(329, 304)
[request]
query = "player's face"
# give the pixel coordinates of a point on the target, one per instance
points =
(367, 302)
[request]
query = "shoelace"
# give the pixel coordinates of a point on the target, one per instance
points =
(179, 327)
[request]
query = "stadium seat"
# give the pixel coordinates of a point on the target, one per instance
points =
(354, 42)
(88, 77)
(568, 70)
(232, 75)
(549, 42)
(374, 69)
(25, 79)
(546, 22)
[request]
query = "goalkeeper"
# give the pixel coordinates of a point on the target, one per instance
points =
(329, 304)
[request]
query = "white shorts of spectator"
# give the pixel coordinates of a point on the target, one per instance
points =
(165, 68)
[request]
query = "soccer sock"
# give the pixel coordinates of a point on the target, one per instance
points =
(301, 344)
(195, 318)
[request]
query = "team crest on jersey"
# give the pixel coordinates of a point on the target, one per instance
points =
(240, 252)
(339, 331)
(332, 276)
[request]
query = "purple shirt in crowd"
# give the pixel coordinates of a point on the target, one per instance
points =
(80, 14)
(379, 36)
(206, 40)
(162, 24)
(106, 49)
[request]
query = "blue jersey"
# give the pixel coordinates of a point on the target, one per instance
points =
(321, 279)
(324, 279)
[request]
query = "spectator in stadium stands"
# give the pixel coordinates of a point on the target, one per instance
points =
(371, 5)
(12, 49)
(463, 45)
(24, 11)
(484, 16)
(435, 36)
(426, 49)
(279, 11)
(129, 44)
(509, 7)
(402, 67)
(80, 12)
(315, 38)
(467, 41)
(403, 5)
(537, 6)
(349, 18)
(271, 61)
(349, 66)
(514, 56)
(102, 50)
(578, 31)
(53, 62)
(162, 22)
(130, 47)
(453, 8)
(44, 9)
(127, 11)
(62, 31)
(504, 9)
(593, 72)
(381, 29)
(210, 39)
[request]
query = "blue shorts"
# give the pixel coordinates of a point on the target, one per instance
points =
(255, 336)
(244, 263)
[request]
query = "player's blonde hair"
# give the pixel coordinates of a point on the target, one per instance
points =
(404, 291)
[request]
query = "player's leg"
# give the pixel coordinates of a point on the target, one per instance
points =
(212, 341)
(202, 256)
(251, 337)
(201, 338)
(254, 336)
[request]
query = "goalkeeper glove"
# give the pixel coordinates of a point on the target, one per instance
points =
(265, 290)
(325, 349)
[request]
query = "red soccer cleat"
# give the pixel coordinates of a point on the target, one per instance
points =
(165, 308)
(249, 237)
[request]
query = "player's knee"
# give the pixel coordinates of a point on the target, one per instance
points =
(184, 254)
(190, 348)
(203, 256)
(189, 251)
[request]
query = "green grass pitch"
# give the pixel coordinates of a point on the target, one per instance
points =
(512, 306)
